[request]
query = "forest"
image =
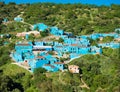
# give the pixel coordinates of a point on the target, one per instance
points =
(101, 73)
(77, 18)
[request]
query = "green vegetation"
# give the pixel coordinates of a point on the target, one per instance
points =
(14, 27)
(18, 75)
(10, 10)
(51, 53)
(107, 39)
(104, 40)
(44, 33)
(76, 18)
(60, 40)
(101, 71)
(4, 56)
(93, 42)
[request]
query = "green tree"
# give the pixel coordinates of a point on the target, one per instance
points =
(44, 33)
(61, 40)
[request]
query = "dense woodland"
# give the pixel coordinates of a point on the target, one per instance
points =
(100, 72)
(77, 18)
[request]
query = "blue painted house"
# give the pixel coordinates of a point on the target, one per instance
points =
(46, 61)
(5, 20)
(95, 36)
(23, 47)
(18, 19)
(75, 45)
(69, 34)
(82, 36)
(50, 68)
(23, 51)
(56, 31)
(26, 36)
(39, 43)
(40, 27)
(117, 30)
(95, 50)
(76, 41)
(74, 55)
(17, 57)
(59, 65)
(111, 45)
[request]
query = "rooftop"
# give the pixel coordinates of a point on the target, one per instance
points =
(23, 44)
(49, 65)
(38, 57)
(74, 44)
(58, 63)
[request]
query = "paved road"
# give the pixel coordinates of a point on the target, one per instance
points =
(66, 62)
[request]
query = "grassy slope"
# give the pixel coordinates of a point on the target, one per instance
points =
(13, 70)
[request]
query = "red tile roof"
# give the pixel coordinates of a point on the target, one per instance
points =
(49, 65)
(23, 44)
(58, 63)
(74, 44)
(40, 57)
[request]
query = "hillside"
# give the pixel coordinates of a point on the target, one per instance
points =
(76, 18)
(98, 73)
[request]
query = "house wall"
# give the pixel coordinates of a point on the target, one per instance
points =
(18, 19)
(40, 26)
(56, 31)
(59, 66)
(48, 68)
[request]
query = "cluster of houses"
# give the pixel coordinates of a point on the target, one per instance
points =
(35, 54)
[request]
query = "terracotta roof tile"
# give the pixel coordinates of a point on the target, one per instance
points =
(40, 57)
(23, 44)
(49, 65)
(74, 44)
(59, 63)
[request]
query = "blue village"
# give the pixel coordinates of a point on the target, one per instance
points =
(35, 54)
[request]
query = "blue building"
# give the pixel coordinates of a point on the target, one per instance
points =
(95, 36)
(74, 45)
(69, 34)
(18, 19)
(48, 62)
(56, 31)
(17, 57)
(74, 55)
(50, 68)
(111, 45)
(95, 50)
(5, 20)
(117, 30)
(24, 53)
(76, 41)
(59, 65)
(42, 48)
(40, 27)
(23, 47)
